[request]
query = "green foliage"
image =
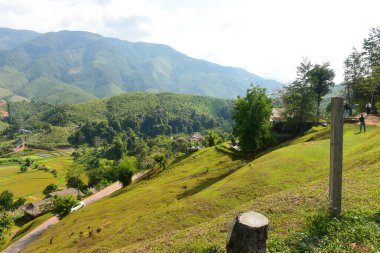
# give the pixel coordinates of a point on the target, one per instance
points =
(23, 169)
(354, 73)
(74, 178)
(54, 172)
(125, 170)
(7, 203)
(353, 231)
(298, 98)
(61, 205)
(362, 72)
(49, 189)
(161, 160)
(212, 138)
(6, 200)
(251, 119)
(321, 79)
(28, 162)
(19, 202)
(104, 173)
(371, 46)
(5, 223)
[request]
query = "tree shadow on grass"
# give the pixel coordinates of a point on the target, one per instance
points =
(207, 183)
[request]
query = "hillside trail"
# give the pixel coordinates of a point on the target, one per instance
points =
(38, 231)
(370, 120)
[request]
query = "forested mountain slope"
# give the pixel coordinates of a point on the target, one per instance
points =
(74, 67)
(145, 113)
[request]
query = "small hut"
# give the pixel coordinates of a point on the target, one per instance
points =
(34, 210)
(69, 191)
(196, 141)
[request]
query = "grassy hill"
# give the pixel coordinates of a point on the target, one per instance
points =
(54, 66)
(189, 206)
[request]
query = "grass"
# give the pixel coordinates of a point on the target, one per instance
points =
(31, 184)
(189, 206)
(21, 228)
(354, 231)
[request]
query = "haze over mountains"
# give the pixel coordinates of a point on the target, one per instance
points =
(73, 67)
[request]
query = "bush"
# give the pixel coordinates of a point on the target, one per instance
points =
(28, 162)
(125, 170)
(54, 172)
(5, 223)
(354, 231)
(23, 169)
(49, 189)
(61, 205)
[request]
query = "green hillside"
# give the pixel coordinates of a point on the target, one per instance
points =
(10, 38)
(189, 206)
(146, 113)
(89, 65)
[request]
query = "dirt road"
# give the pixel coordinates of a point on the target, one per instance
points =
(370, 120)
(34, 234)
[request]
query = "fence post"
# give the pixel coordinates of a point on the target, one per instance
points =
(336, 157)
(248, 234)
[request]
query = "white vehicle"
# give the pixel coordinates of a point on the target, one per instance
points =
(78, 206)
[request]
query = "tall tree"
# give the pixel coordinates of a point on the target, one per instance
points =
(371, 47)
(321, 78)
(251, 116)
(298, 97)
(6, 200)
(354, 73)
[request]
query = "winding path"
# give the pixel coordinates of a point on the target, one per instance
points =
(35, 233)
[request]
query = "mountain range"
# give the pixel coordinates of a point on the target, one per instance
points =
(74, 67)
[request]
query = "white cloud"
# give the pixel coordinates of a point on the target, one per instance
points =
(267, 38)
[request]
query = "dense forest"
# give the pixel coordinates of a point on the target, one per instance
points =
(144, 113)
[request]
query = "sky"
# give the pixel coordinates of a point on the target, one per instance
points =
(266, 37)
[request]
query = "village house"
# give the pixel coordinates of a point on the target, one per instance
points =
(34, 210)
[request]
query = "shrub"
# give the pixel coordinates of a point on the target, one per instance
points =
(28, 162)
(50, 188)
(61, 205)
(354, 230)
(125, 170)
(23, 169)
(54, 172)
(5, 223)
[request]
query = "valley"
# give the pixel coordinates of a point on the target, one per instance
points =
(113, 141)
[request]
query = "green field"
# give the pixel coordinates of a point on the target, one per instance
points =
(189, 207)
(31, 184)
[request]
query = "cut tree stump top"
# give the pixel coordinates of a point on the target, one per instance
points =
(253, 219)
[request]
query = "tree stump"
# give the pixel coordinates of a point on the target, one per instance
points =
(248, 234)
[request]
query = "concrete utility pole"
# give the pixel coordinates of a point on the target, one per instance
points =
(336, 156)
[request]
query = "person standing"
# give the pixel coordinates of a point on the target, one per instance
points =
(368, 108)
(362, 122)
